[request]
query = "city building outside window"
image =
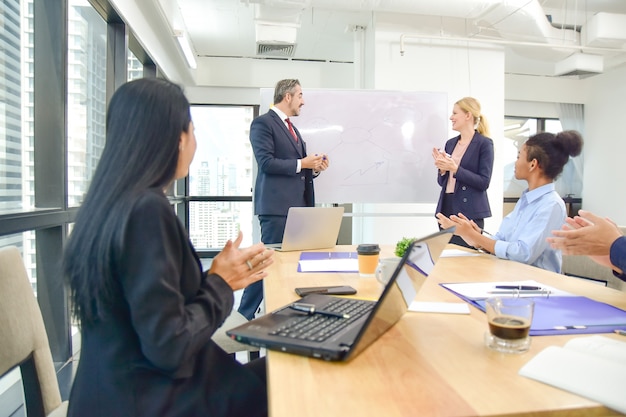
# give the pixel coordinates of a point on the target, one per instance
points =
(220, 176)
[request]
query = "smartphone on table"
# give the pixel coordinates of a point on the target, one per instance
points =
(330, 290)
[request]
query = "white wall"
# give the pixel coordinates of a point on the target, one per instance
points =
(545, 89)
(604, 191)
(246, 72)
(237, 80)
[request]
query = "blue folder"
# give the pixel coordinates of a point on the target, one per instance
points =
(568, 315)
(318, 256)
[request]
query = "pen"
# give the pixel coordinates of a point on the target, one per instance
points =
(518, 287)
(577, 327)
(621, 332)
(520, 292)
(310, 309)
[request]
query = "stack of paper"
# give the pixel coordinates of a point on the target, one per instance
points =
(593, 367)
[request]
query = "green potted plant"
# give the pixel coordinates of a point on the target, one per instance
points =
(402, 246)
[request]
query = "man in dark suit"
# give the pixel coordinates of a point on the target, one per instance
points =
(285, 175)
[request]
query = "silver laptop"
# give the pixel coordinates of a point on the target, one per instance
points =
(310, 228)
(337, 329)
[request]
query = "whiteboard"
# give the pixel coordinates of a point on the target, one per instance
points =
(379, 143)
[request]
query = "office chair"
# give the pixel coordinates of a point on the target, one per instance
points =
(229, 345)
(23, 339)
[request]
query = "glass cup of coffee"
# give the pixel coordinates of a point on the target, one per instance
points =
(509, 321)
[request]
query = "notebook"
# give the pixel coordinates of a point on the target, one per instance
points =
(292, 331)
(310, 228)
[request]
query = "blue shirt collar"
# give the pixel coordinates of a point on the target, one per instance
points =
(531, 196)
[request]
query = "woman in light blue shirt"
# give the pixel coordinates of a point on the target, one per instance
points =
(540, 209)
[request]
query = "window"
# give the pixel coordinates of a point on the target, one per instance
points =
(13, 102)
(35, 212)
(135, 67)
(86, 97)
(220, 176)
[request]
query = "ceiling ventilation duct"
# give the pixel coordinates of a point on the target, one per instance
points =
(525, 21)
(275, 39)
(605, 30)
(578, 64)
(277, 23)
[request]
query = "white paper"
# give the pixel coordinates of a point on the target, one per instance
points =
(451, 253)
(592, 367)
(438, 307)
(330, 265)
(482, 290)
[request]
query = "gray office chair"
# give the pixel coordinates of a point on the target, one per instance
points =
(229, 345)
(23, 339)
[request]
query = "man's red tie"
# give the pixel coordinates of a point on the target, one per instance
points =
(293, 132)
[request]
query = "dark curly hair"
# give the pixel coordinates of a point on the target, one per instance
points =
(553, 151)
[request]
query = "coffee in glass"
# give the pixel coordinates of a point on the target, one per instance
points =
(509, 321)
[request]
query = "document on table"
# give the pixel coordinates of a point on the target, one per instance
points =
(328, 262)
(439, 307)
(473, 291)
(453, 253)
(593, 367)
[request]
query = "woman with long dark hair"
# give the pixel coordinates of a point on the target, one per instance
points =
(146, 309)
(523, 233)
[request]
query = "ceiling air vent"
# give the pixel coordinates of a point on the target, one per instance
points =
(275, 39)
(582, 65)
(275, 49)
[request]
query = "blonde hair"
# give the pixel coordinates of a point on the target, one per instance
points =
(472, 106)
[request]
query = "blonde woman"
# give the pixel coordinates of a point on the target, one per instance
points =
(465, 165)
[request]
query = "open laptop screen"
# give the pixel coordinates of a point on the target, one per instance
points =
(403, 286)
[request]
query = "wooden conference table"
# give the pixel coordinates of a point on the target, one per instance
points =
(428, 364)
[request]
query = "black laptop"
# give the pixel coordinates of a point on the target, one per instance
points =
(337, 329)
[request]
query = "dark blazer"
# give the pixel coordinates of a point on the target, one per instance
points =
(152, 355)
(278, 186)
(472, 178)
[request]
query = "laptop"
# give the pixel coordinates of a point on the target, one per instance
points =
(338, 329)
(310, 228)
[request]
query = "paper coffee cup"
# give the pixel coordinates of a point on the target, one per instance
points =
(368, 255)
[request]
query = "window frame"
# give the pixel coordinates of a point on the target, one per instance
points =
(51, 218)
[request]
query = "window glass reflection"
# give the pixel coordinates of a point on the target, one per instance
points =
(135, 67)
(16, 106)
(221, 167)
(212, 223)
(86, 96)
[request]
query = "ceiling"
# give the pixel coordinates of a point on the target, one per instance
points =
(324, 29)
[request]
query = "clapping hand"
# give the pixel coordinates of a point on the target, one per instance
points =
(585, 234)
(465, 227)
(241, 267)
(443, 161)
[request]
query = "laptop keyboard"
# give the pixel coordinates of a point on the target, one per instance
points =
(318, 327)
